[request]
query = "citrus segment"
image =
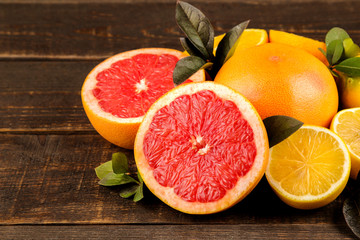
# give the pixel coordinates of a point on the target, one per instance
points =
(310, 168)
(117, 93)
(282, 80)
(249, 38)
(346, 124)
(201, 148)
(310, 45)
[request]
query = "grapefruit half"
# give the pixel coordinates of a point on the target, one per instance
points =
(117, 92)
(201, 148)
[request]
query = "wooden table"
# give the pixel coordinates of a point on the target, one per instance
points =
(48, 149)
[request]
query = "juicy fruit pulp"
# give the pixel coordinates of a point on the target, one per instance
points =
(346, 124)
(310, 168)
(117, 92)
(201, 154)
(201, 148)
(249, 38)
(310, 45)
(130, 86)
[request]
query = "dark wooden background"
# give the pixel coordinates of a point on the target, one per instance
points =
(48, 149)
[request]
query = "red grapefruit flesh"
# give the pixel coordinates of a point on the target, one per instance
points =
(201, 148)
(118, 92)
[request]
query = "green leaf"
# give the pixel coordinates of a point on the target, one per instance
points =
(120, 163)
(336, 33)
(104, 169)
(196, 27)
(334, 51)
(140, 178)
(112, 179)
(280, 127)
(228, 44)
(351, 206)
(350, 67)
(139, 193)
(129, 191)
(190, 48)
(186, 67)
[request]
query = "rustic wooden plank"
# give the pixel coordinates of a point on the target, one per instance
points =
(50, 179)
(43, 96)
(241, 231)
(97, 30)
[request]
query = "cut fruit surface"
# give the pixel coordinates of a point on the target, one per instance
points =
(201, 148)
(310, 168)
(117, 92)
(249, 38)
(346, 124)
(310, 45)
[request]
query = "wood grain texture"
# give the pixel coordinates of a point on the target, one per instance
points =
(98, 30)
(238, 231)
(50, 179)
(43, 96)
(48, 149)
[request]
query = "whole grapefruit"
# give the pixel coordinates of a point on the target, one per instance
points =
(283, 80)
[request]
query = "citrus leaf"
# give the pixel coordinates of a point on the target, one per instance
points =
(139, 193)
(104, 169)
(228, 44)
(351, 206)
(140, 178)
(190, 48)
(186, 67)
(350, 67)
(196, 27)
(322, 51)
(335, 33)
(129, 191)
(352, 214)
(119, 163)
(334, 51)
(280, 127)
(112, 179)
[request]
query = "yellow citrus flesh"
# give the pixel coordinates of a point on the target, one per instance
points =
(310, 168)
(310, 45)
(346, 124)
(249, 38)
(117, 130)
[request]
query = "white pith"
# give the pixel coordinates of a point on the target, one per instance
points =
(91, 81)
(141, 86)
(309, 198)
(244, 185)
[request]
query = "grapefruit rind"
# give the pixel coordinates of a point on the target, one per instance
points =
(244, 185)
(353, 130)
(311, 201)
(119, 131)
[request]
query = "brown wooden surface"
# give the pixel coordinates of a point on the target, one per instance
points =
(48, 149)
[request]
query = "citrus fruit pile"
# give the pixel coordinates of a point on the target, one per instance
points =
(202, 146)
